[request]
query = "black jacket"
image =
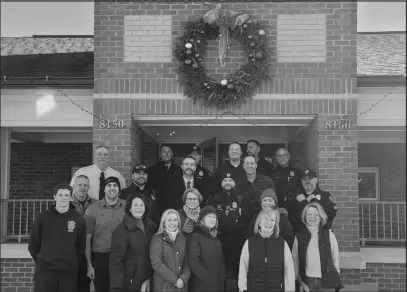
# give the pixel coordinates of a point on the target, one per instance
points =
(130, 262)
(58, 240)
(264, 167)
(177, 187)
(159, 179)
(206, 262)
(237, 173)
(288, 183)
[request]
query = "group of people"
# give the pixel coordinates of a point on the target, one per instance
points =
(180, 228)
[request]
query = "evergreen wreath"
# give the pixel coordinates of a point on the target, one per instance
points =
(238, 86)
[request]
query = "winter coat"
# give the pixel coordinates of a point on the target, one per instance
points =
(169, 261)
(206, 262)
(130, 262)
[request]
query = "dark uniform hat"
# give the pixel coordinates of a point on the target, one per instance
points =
(227, 175)
(139, 168)
(196, 149)
(308, 173)
(112, 179)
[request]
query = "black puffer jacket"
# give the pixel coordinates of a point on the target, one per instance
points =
(206, 262)
(130, 262)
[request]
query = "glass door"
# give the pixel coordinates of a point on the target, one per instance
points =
(209, 150)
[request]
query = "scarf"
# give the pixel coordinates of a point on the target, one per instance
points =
(213, 232)
(139, 223)
(192, 218)
(172, 234)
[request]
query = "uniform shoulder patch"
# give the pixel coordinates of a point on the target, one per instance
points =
(330, 197)
(87, 212)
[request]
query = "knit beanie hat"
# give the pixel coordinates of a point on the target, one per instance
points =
(227, 175)
(112, 179)
(269, 193)
(207, 210)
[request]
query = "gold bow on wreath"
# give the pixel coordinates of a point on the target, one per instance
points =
(227, 20)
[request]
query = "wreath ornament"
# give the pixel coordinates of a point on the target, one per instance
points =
(238, 86)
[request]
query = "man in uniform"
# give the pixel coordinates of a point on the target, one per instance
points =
(162, 175)
(263, 166)
(286, 178)
(98, 172)
(231, 233)
(234, 166)
(201, 173)
(81, 201)
(101, 219)
(312, 193)
(250, 189)
(140, 187)
(57, 244)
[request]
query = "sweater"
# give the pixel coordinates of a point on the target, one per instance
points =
(58, 240)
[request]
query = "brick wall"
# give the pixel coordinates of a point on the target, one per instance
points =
(17, 275)
(36, 168)
(388, 277)
(391, 159)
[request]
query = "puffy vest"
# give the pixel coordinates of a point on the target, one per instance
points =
(266, 264)
(324, 245)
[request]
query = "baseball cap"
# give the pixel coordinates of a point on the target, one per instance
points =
(139, 167)
(308, 173)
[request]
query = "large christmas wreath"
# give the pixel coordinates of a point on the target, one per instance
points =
(225, 25)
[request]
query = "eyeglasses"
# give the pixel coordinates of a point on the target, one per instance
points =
(140, 166)
(192, 199)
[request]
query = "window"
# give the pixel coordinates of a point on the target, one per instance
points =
(369, 183)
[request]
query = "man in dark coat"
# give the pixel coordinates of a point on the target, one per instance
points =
(185, 181)
(230, 226)
(140, 186)
(263, 166)
(161, 177)
(312, 193)
(234, 166)
(201, 172)
(286, 178)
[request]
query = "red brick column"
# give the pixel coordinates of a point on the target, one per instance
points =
(120, 134)
(337, 163)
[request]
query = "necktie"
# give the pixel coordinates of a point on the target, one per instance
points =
(102, 185)
(188, 184)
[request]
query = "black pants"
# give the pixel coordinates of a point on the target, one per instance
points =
(46, 280)
(231, 247)
(83, 280)
(100, 261)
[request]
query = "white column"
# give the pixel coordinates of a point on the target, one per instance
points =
(5, 179)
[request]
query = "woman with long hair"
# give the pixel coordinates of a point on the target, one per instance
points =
(189, 213)
(208, 270)
(168, 254)
(266, 263)
(316, 252)
(130, 265)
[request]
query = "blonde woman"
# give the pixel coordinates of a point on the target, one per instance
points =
(316, 253)
(266, 263)
(168, 255)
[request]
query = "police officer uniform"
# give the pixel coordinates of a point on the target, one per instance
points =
(296, 204)
(231, 231)
(288, 183)
(202, 174)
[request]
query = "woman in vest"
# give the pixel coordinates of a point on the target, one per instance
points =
(130, 267)
(268, 200)
(205, 255)
(189, 213)
(316, 253)
(168, 255)
(266, 263)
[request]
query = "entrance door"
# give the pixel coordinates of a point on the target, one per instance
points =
(209, 150)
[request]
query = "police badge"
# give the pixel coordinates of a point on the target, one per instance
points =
(201, 173)
(71, 226)
(292, 173)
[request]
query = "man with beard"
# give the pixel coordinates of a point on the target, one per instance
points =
(183, 182)
(81, 201)
(140, 187)
(231, 233)
(312, 193)
(263, 166)
(234, 166)
(97, 173)
(161, 177)
(201, 173)
(250, 189)
(286, 178)
(101, 219)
